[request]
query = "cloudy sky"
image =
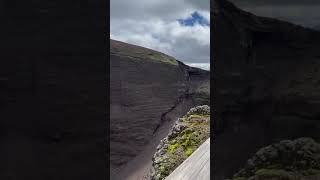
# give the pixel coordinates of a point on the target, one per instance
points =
(180, 28)
(302, 12)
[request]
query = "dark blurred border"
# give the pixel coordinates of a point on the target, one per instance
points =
(54, 90)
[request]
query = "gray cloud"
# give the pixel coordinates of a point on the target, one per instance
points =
(153, 24)
(205, 66)
(276, 2)
(203, 4)
(302, 12)
(147, 9)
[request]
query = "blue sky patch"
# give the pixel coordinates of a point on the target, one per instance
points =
(194, 19)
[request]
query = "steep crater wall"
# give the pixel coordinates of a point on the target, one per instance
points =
(265, 84)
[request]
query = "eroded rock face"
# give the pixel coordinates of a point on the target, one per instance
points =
(288, 159)
(266, 84)
(187, 134)
(146, 89)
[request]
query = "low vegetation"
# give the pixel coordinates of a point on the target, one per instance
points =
(139, 53)
(188, 133)
(288, 160)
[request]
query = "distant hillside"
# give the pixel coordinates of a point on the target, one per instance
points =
(149, 90)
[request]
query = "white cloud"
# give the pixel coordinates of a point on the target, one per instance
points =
(153, 24)
(205, 66)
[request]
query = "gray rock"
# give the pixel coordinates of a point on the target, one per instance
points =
(292, 156)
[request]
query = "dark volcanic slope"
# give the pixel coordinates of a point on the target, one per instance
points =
(266, 84)
(147, 89)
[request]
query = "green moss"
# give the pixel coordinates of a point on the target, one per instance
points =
(163, 58)
(272, 173)
(147, 55)
(182, 145)
(279, 174)
(189, 151)
(192, 140)
(173, 147)
(274, 166)
(239, 178)
(313, 171)
(188, 140)
(163, 171)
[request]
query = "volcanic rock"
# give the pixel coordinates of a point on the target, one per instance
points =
(266, 84)
(288, 159)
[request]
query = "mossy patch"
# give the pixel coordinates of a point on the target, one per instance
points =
(163, 58)
(173, 147)
(186, 136)
(312, 171)
(272, 173)
(282, 174)
(286, 160)
(188, 151)
(239, 178)
(153, 57)
(140, 53)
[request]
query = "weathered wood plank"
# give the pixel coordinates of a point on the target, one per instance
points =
(197, 166)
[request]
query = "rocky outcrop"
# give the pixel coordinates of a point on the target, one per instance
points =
(148, 89)
(266, 84)
(187, 134)
(290, 159)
